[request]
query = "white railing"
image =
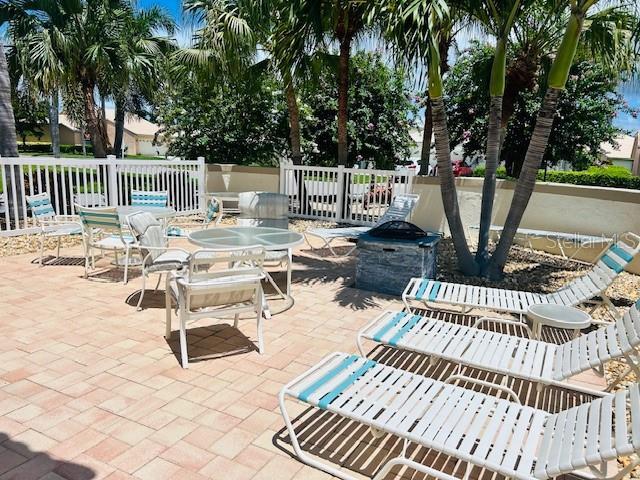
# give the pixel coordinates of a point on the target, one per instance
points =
(93, 182)
(340, 194)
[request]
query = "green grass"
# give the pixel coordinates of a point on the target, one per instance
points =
(357, 179)
(89, 157)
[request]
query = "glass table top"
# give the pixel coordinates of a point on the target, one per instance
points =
(234, 237)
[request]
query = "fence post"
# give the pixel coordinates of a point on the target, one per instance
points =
(340, 193)
(112, 180)
(202, 183)
(282, 186)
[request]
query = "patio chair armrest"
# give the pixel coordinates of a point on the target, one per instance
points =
(504, 321)
(495, 386)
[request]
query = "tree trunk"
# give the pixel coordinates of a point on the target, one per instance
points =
(94, 123)
(466, 262)
(8, 139)
(294, 124)
(526, 181)
(343, 99)
(84, 145)
(9, 144)
(119, 127)
(427, 133)
(54, 123)
(489, 184)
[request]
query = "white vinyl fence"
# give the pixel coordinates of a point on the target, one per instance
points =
(340, 194)
(93, 182)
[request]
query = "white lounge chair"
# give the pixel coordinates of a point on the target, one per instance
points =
(204, 292)
(51, 224)
(212, 216)
(149, 198)
(157, 256)
(497, 434)
(520, 357)
(581, 290)
(401, 208)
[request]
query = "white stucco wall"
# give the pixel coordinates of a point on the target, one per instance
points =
(553, 207)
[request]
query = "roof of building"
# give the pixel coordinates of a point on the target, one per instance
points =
(132, 123)
(624, 148)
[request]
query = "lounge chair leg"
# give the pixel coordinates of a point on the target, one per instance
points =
(259, 303)
(289, 268)
(58, 249)
(142, 290)
(167, 309)
(126, 265)
(183, 340)
(236, 318)
(158, 283)
(42, 249)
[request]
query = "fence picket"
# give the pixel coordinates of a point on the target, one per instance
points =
(104, 182)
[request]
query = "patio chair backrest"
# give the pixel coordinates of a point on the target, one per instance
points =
(41, 206)
(609, 265)
(214, 206)
(263, 209)
(105, 219)
(148, 232)
(592, 433)
(90, 199)
(238, 281)
(401, 208)
(149, 198)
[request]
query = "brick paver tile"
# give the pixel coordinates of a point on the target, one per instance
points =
(187, 455)
(10, 459)
(232, 443)
(157, 469)
(282, 468)
(137, 456)
(224, 469)
(107, 449)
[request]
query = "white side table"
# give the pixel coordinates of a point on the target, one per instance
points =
(558, 316)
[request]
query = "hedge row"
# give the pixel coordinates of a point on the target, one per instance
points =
(46, 148)
(611, 176)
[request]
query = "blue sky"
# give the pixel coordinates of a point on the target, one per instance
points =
(172, 6)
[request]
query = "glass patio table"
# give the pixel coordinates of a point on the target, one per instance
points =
(271, 239)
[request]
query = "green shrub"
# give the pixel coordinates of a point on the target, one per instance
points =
(46, 148)
(611, 176)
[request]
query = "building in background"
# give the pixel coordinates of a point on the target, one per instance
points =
(140, 136)
(626, 154)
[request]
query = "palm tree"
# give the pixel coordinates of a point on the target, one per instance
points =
(135, 76)
(8, 139)
(556, 82)
(497, 17)
(341, 21)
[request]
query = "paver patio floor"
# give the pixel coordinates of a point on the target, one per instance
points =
(89, 388)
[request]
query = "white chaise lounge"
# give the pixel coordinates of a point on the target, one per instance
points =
(520, 357)
(498, 434)
(581, 290)
(401, 208)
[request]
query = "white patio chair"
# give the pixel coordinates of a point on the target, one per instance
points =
(157, 256)
(49, 223)
(212, 216)
(271, 210)
(202, 292)
(401, 208)
(520, 357)
(482, 430)
(102, 230)
(90, 199)
(149, 198)
(583, 289)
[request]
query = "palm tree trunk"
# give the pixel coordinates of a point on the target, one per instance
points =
(343, 99)
(526, 181)
(95, 126)
(427, 133)
(9, 142)
(8, 139)
(54, 123)
(294, 124)
(466, 262)
(489, 184)
(119, 127)
(296, 151)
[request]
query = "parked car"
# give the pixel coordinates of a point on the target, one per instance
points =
(461, 169)
(412, 165)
